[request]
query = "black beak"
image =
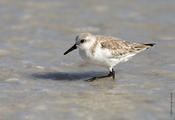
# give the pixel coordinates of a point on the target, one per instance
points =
(70, 49)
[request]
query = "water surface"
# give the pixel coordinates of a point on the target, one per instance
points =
(38, 83)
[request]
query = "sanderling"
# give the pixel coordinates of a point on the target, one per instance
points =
(106, 51)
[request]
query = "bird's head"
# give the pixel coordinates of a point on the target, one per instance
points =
(82, 41)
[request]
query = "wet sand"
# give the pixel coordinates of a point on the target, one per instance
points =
(38, 83)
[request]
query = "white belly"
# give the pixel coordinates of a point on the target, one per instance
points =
(102, 58)
(96, 59)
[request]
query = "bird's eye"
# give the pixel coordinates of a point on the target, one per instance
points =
(82, 41)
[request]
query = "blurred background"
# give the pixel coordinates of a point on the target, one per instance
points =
(38, 83)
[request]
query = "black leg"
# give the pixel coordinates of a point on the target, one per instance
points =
(111, 73)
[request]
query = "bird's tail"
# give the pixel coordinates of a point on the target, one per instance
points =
(150, 44)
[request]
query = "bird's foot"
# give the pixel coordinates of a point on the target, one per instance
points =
(111, 74)
(91, 79)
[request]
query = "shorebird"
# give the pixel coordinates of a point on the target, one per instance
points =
(106, 51)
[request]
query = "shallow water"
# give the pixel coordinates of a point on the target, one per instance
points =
(38, 83)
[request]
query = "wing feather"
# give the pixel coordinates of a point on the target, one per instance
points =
(120, 48)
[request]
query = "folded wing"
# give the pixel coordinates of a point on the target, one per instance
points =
(120, 48)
